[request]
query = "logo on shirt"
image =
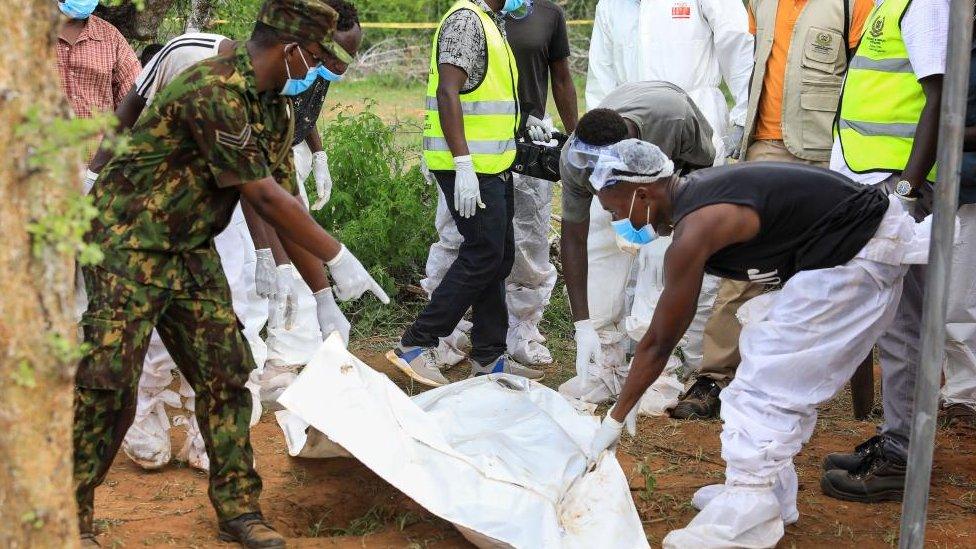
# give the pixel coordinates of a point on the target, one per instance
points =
(771, 277)
(681, 10)
(877, 27)
(824, 39)
(238, 141)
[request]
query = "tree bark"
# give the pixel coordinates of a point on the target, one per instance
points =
(200, 13)
(37, 506)
(134, 24)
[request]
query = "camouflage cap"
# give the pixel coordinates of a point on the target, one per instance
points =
(311, 20)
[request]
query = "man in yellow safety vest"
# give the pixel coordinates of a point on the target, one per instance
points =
(469, 147)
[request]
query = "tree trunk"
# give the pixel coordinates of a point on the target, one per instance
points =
(134, 24)
(200, 12)
(37, 325)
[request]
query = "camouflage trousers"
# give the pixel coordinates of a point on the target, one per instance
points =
(203, 335)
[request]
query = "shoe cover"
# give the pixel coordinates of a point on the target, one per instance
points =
(524, 345)
(193, 452)
(147, 442)
(739, 516)
(664, 392)
(785, 490)
(256, 407)
(453, 349)
(274, 379)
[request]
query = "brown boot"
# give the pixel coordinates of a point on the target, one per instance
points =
(700, 402)
(957, 415)
(251, 531)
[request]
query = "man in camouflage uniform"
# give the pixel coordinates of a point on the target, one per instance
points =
(220, 132)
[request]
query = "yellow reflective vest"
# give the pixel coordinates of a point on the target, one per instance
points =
(882, 100)
(490, 110)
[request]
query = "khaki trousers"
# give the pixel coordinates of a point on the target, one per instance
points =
(720, 348)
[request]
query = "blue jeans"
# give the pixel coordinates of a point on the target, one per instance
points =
(476, 279)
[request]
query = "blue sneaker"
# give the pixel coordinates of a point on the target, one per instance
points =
(419, 363)
(505, 365)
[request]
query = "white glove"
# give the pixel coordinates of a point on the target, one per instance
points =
(606, 438)
(281, 305)
(264, 272)
(587, 348)
(89, 182)
(733, 141)
(540, 130)
(330, 316)
(323, 179)
(467, 188)
(351, 278)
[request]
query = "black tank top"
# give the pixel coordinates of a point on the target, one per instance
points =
(810, 218)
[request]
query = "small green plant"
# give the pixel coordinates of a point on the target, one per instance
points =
(650, 482)
(24, 375)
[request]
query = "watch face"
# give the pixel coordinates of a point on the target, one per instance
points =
(904, 188)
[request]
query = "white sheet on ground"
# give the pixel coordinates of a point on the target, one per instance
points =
(499, 456)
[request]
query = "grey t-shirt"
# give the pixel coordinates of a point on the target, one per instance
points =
(537, 41)
(665, 116)
(462, 43)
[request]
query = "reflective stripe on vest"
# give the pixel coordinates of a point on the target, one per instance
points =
(490, 111)
(882, 99)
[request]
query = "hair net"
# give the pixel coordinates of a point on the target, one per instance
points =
(631, 160)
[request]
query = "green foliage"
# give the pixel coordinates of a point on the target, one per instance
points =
(381, 207)
(650, 482)
(23, 375)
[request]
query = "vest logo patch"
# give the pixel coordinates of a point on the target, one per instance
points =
(681, 10)
(877, 27)
(771, 277)
(232, 141)
(824, 39)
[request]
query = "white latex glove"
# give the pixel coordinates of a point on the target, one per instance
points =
(323, 179)
(467, 188)
(264, 272)
(330, 316)
(351, 278)
(540, 130)
(606, 437)
(587, 348)
(89, 182)
(281, 305)
(733, 141)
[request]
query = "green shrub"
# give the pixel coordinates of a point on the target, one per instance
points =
(381, 206)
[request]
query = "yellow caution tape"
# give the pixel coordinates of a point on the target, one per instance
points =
(432, 26)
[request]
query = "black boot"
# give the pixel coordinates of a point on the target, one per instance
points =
(881, 477)
(851, 461)
(251, 531)
(700, 402)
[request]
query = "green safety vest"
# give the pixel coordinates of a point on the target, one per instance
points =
(490, 110)
(882, 99)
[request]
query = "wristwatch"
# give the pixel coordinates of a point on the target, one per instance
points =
(904, 190)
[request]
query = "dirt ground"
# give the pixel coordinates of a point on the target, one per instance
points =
(341, 503)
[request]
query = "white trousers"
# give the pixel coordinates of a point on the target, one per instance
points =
(799, 347)
(960, 365)
(533, 276)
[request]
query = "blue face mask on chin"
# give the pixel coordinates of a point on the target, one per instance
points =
(78, 9)
(517, 9)
(630, 238)
(294, 86)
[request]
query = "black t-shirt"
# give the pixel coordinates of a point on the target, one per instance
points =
(810, 218)
(308, 107)
(536, 41)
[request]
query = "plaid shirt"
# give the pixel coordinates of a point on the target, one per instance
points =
(98, 70)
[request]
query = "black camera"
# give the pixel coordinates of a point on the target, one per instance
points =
(539, 161)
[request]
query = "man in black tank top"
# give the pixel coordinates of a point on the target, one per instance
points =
(836, 248)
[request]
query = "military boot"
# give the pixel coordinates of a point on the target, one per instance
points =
(251, 531)
(700, 402)
(880, 477)
(852, 460)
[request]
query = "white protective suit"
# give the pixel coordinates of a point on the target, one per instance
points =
(960, 364)
(799, 347)
(695, 44)
(528, 287)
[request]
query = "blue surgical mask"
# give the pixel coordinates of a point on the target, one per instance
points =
(517, 9)
(328, 75)
(293, 86)
(630, 238)
(78, 9)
